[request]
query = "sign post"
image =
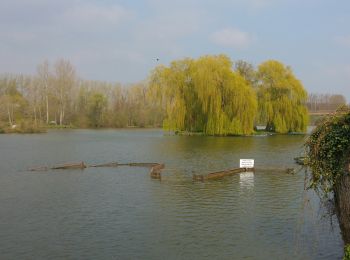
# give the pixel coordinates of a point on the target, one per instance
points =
(246, 163)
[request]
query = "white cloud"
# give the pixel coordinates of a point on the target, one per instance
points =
(232, 37)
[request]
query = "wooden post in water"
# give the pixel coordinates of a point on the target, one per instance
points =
(112, 164)
(220, 174)
(80, 165)
(155, 172)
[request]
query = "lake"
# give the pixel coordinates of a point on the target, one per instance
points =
(121, 213)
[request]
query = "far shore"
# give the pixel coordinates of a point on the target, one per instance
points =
(44, 129)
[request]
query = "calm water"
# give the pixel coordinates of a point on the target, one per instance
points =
(120, 213)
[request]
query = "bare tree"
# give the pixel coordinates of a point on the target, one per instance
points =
(64, 80)
(324, 102)
(31, 93)
(43, 77)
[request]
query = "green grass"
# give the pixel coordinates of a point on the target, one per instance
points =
(347, 252)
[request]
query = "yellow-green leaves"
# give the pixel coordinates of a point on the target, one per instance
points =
(205, 95)
(281, 98)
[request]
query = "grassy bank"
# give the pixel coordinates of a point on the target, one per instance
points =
(255, 133)
(313, 119)
(24, 127)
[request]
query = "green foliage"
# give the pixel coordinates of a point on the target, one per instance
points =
(13, 105)
(97, 105)
(281, 99)
(101, 104)
(328, 147)
(29, 127)
(204, 95)
(56, 97)
(346, 252)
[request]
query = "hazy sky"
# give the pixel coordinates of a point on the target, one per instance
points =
(120, 40)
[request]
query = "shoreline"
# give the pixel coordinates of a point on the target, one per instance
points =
(43, 130)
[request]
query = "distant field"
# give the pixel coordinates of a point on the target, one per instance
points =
(314, 117)
(322, 112)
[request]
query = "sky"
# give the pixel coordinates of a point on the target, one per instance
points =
(122, 40)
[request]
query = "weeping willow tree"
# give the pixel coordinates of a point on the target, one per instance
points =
(171, 87)
(281, 99)
(204, 95)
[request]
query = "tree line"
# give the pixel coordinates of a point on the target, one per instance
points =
(213, 95)
(56, 95)
(323, 103)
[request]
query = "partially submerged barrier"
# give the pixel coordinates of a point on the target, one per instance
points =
(230, 172)
(80, 165)
(220, 174)
(66, 166)
(155, 171)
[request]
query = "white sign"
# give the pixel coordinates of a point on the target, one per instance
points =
(246, 163)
